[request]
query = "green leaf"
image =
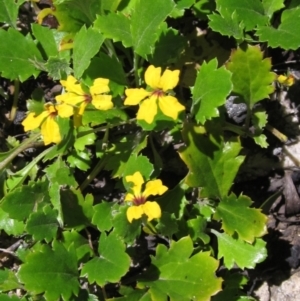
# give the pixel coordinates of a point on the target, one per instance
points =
(76, 210)
(197, 227)
(251, 76)
(9, 12)
(9, 225)
(115, 26)
(167, 225)
(174, 201)
(111, 265)
(102, 217)
(8, 281)
(20, 203)
(79, 159)
(237, 251)
(237, 216)
(95, 117)
(145, 20)
(229, 26)
(261, 140)
(51, 271)
(58, 68)
(72, 239)
(87, 43)
(213, 163)
(271, 6)
(285, 36)
(250, 12)
(211, 88)
(45, 37)
(58, 172)
(168, 47)
(127, 231)
(43, 225)
(16, 55)
(181, 276)
(85, 136)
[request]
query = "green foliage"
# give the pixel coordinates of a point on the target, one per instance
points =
(69, 201)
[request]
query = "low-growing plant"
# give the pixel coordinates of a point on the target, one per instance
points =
(120, 186)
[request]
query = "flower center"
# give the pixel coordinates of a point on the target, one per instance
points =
(139, 200)
(158, 93)
(87, 98)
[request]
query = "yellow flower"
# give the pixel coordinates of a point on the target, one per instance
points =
(49, 128)
(149, 100)
(286, 80)
(139, 199)
(75, 95)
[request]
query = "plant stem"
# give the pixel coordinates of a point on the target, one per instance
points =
(16, 151)
(14, 107)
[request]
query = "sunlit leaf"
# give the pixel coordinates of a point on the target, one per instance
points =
(213, 163)
(52, 271)
(251, 76)
(211, 88)
(111, 265)
(237, 216)
(181, 276)
(285, 36)
(237, 251)
(17, 55)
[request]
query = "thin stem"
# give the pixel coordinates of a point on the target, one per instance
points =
(92, 175)
(283, 138)
(15, 152)
(234, 128)
(14, 107)
(111, 49)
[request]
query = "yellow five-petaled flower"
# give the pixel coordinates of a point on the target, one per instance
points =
(158, 96)
(75, 95)
(49, 127)
(138, 198)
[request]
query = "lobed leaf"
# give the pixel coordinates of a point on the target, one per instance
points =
(9, 12)
(251, 76)
(43, 224)
(52, 271)
(271, 6)
(212, 163)
(250, 12)
(145, 20)
(237, 216)
(17, 55)
(87, 43)
(211, 88)
(229, 26)
(237, 251)
(112, 264)
(22, 201)
(115, 26)
(285, 36)
(181, 276)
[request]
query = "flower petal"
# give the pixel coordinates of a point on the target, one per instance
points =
(102, 102)
(152, 77)
(137, 179)
(134, 212)
(152, 210)
(170, 106)
(154, 187)
(65, 110)
(129, 197)
(31, 122)
(169, 80)
(99, 86)
(70, 98)
(148, 109)
(135, 96)
(72, 85)
(50, 131)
